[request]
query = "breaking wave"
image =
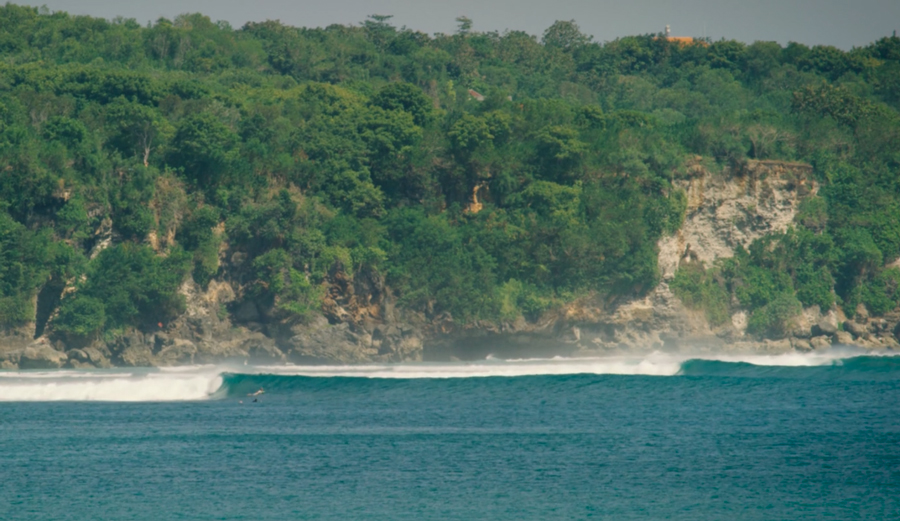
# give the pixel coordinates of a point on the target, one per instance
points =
(195, 383)
(120, 386)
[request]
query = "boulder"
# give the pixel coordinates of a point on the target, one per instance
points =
(77, 355)
(801, 345)
(335, 343)
(260, 348)
(739, 321)
(316, 340)
(42, 356)
(179, 351)
(805, 325)
(408, 349)
(133, 349)
(801, 331)
(136, 356)
(827, 325)
(96, 357)
(889, 342)
(879, 326)
(12, 356)
(778, 346)
(862, 314)
(856, 329)
(820, 342)
(869, 343)
(843, 338)
(86, 358)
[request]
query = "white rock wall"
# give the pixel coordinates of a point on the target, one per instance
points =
(726, 210)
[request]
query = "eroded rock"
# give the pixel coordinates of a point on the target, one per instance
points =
(843, 338)
(856, 329)
(42, 356)
(820, 342)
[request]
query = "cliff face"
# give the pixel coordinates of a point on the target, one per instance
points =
(733, 209)
(359, 321)
(725, 210)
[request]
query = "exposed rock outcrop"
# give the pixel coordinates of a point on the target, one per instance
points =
(41, 355)
(734, 209)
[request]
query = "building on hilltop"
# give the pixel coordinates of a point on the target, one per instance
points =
(682, 40)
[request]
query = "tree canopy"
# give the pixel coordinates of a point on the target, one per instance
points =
(304, 151)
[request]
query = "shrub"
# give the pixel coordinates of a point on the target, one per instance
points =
(197, 235)
(813, 213)
(814, 287)
(776, 317)
(759, 286)
(699, 289)
(516, 299)
(880, 293)
(279, 284)
(80, 316)
(677, 206)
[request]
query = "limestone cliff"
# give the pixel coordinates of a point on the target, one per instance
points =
(734, 208)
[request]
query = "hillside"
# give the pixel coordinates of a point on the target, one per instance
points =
(189, 191)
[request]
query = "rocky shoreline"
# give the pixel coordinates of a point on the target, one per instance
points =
(585, 328)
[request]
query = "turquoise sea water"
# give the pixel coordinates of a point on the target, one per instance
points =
(765, 438)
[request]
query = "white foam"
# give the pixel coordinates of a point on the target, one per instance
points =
(109, 387)
(653, 364)
(202, 382)
(783, 360)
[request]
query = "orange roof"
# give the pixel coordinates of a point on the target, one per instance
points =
(685, 40)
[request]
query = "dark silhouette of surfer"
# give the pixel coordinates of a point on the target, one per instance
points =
(257, 393)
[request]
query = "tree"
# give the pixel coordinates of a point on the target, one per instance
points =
(204, 148)
(81, 317)
(469, 133)
(564, 35)
(134, 286)
(378, 29)
(137, 129)
(464, 25)
(405, 97)
(559, 150)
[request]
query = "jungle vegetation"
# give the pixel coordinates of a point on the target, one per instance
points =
(485, 175)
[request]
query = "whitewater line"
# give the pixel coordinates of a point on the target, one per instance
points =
(190, 383)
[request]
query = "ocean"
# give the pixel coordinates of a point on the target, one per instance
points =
(791, 437)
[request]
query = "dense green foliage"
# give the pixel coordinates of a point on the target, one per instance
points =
(296, 153)
(127, 284)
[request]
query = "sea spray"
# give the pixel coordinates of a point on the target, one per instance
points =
(138, 386)
(189, 383)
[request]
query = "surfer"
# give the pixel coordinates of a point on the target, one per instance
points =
(257, 393)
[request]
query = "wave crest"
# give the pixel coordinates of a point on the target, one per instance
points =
(209, 382)
(83, 386)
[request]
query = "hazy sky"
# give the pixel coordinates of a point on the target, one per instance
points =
(842, 23)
